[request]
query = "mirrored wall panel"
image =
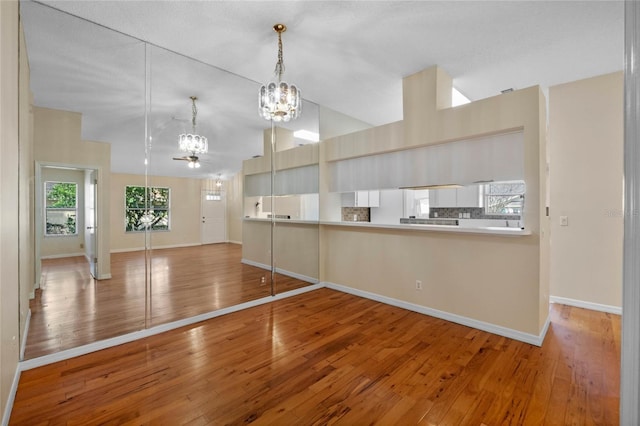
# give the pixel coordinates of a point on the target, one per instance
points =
(87, 84)
(161, 194)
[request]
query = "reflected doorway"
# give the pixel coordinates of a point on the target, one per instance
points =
(214, 212)
(66, 209)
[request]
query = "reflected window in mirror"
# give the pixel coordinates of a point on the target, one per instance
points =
(61, 201)
(147, 208)
(504, 198)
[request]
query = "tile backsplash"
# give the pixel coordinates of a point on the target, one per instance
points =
(356, 214)
(473, 212)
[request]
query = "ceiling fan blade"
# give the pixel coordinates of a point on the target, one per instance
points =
(182, 158)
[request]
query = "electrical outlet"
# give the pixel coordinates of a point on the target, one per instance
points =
(263, 281)
(564, 221)
(81, 245)
(418, 285)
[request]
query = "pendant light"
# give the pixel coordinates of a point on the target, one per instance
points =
(279, 101)
(192, 142)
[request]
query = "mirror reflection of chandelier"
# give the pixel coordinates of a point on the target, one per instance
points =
(279, 101)
(192, 142)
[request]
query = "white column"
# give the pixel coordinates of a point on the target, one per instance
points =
(630, 371)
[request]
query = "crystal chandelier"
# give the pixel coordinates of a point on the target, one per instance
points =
(192, 142)
(279, 101)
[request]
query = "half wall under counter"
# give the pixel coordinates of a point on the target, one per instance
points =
(295, 246)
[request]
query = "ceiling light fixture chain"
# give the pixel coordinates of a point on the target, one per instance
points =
(279, 28)
(194, 113)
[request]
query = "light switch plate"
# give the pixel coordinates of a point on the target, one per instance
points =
(564, 221)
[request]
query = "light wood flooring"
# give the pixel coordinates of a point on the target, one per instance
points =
(72, 309)
(326, 357)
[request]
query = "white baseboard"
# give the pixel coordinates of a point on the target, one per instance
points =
(458, 319)
(256, 264)
(11, 397)
(295, 275)
(235, 242)
(23, 340)
(61, 256)
(104, 277)
(126, 250)
(136, 335)
(586, 305)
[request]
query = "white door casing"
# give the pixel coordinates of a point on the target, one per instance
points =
(90, 219)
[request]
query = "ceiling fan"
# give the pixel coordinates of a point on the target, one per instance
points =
(193, 160)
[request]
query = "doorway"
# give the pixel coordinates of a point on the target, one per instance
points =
(66, 209)
(214, 221)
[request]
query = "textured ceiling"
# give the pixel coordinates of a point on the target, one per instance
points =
(348, 56)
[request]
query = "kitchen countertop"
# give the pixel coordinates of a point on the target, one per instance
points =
(437, 228)
(491, 230)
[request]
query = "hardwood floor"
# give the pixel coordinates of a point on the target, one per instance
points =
(327, 357)
(72, 309)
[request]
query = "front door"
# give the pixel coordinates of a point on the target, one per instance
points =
(214, 212)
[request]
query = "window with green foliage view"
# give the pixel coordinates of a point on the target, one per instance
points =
(146, 208)
(61, 208)
(504, 198)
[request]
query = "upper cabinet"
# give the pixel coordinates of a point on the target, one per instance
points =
(361, 199)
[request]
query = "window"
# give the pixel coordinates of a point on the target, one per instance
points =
(504, 198)
(61, 208)
(146, 208)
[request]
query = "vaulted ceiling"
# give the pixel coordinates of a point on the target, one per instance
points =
(349, 56)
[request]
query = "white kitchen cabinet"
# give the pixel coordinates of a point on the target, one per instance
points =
(361, 199)
(374, 198)
(443, 197)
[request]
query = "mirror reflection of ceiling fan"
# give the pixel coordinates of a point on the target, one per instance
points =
(193, 161)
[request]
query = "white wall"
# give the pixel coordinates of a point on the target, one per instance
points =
(586, 141)
(233, 192)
